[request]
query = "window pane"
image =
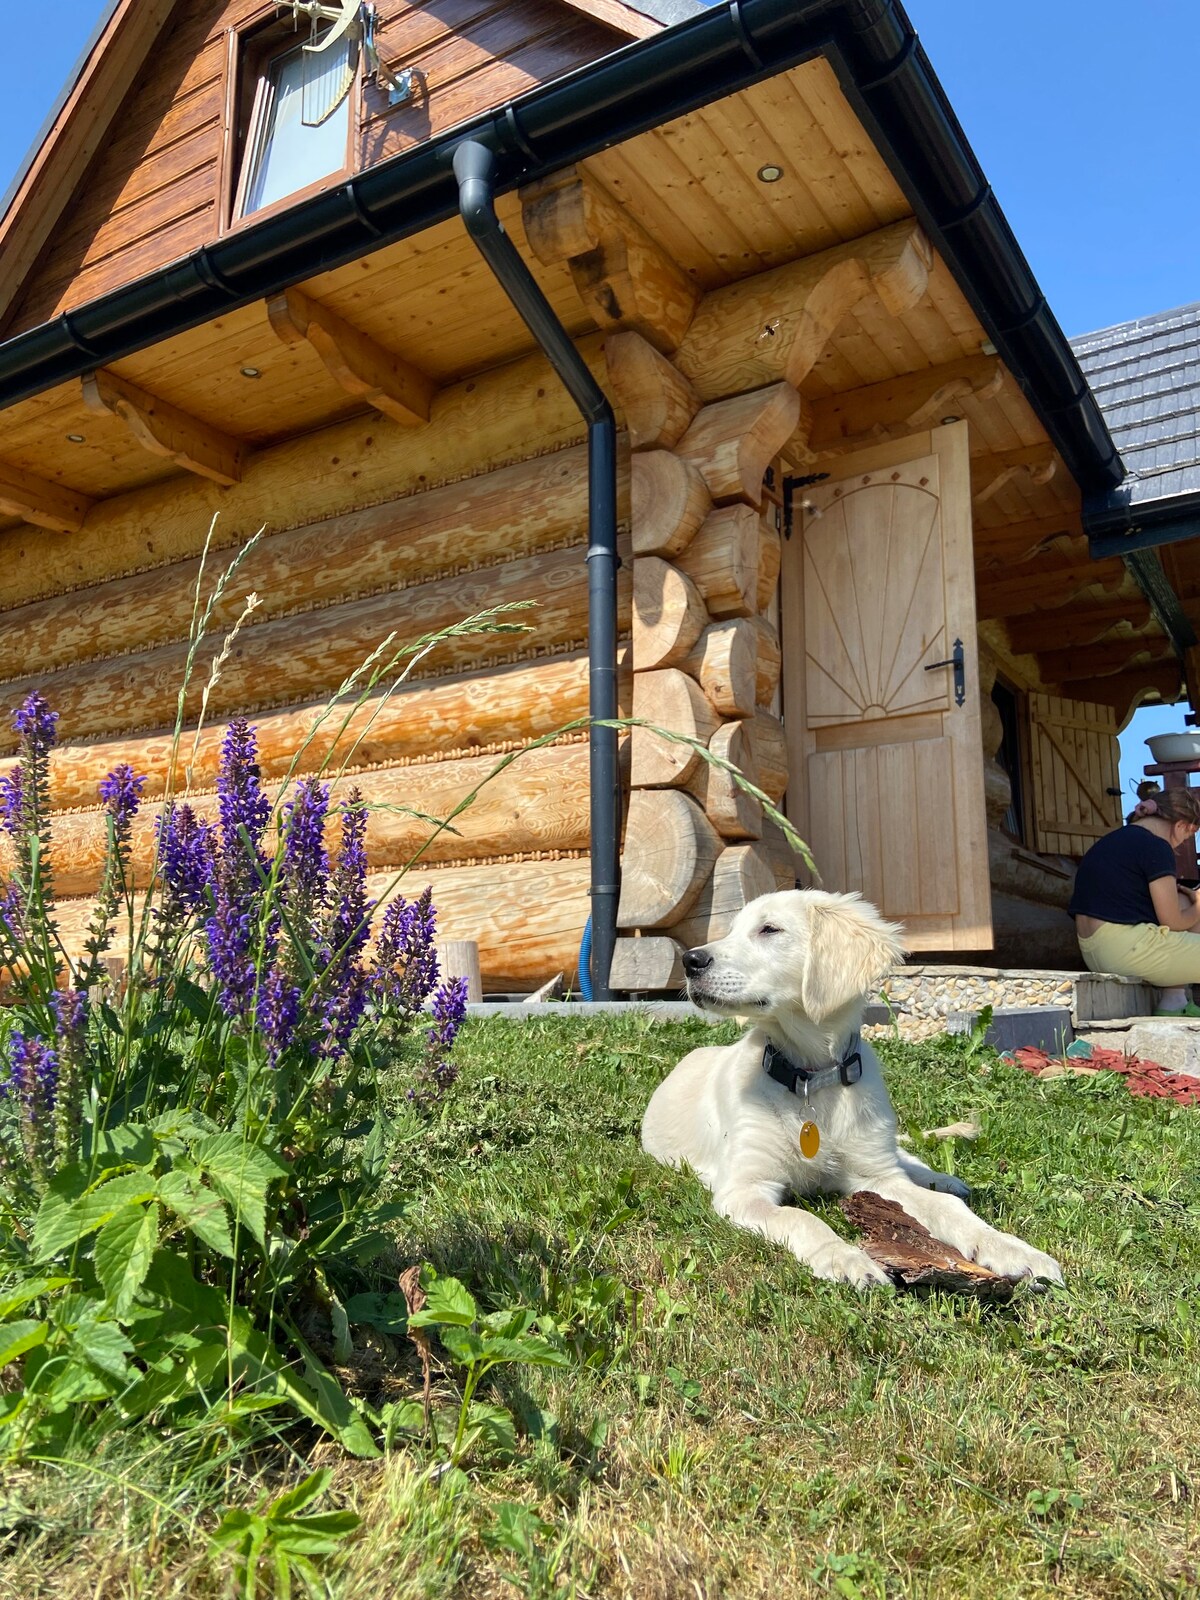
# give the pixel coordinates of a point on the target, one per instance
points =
(286, 154)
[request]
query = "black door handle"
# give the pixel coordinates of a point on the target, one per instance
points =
(958, 662)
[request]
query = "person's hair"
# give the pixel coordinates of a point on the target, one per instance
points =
(1172, 805)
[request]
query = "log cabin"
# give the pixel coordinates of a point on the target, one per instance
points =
(700, 329)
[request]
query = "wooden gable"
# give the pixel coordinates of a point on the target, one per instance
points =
(157, 151)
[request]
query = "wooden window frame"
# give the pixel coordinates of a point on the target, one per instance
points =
(248, 50)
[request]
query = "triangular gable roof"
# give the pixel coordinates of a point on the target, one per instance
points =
(93, 94)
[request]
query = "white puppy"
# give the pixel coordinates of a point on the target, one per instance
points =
(798, 1104)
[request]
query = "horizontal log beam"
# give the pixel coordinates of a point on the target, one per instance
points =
(37, 500)
(513, 511)
(776, 324)
(624, 279)
(413, 726)
(164, 430)
(859, 418)
(539, 802)
(1082, 625)
(378, 377)
(1101, 660)
(741, 873)
(485, 421)
(527, 917)
(667, 856)
(313, 652)
(656, 398)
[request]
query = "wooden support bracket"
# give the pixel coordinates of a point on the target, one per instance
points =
(1126, 691)
(37, 500)
(1042, 587)
(859, 418)
(363, 368)
(623, 277)
(776, 324)
(1082, 625)
(1036, 464)
(1101, 660)
(165, 430)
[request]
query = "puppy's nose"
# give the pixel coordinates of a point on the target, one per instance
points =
(695, 962)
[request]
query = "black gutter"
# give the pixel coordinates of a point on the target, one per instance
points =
(884, 72)
(1116, 524)
(474, 165)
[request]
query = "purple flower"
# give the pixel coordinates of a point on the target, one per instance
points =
(243, 805)
(32, 1074)
(449, 1009)
(230, 932)
(36, 723)
(406, 964)
(12, 914)
(187, 855)
(12, 800)
(70, 1007)
(304, 871)
(121, 793)
(277, 1012)
(344, 982)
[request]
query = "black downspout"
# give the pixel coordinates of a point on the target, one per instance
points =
(473, 167)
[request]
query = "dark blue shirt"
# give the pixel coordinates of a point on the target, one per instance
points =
(1114, 878)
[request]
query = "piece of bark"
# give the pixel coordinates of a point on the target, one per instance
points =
(414, 1299)
(906, 1249)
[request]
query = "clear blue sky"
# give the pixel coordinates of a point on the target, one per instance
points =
(1082, 112)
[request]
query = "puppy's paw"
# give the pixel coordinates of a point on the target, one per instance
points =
(846, 1263)
(943, 1183)
(1013, 1258)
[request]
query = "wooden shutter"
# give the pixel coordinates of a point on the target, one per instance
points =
(1073, 760)
(885, 767)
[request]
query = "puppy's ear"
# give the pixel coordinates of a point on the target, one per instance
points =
(850, 950)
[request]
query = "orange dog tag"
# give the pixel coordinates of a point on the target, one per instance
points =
(810, 1140)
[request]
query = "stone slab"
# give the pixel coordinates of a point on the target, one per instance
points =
(1015, 1028)
(1174, 1045)
(1103, 995)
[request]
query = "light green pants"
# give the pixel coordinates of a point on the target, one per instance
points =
(1144, 950)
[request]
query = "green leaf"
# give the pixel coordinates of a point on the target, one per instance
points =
(241, 1173)
(58, 1227)
(318, 1396)
(104, 1348)
(18, 1337)
(123, 1251)
(294, 1500)
(343, 1346)
(202, 1211)
(388, 1313)
(32, 1289)
(446, 1301)
(128, 1144)
(530, 1351)
(317, 1535)
(462, 1344)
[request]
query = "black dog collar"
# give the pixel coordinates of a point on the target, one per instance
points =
(807, 1081)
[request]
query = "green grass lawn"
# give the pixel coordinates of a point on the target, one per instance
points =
(729, 1427)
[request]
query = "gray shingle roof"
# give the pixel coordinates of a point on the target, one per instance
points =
(1145, 376)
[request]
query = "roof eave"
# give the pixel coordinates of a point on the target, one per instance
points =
(884, 72)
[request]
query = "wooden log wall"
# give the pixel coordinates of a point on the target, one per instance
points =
(705, 654)
(710, 402)
(376, 546)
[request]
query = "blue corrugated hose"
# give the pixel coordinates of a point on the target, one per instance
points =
(585, 961)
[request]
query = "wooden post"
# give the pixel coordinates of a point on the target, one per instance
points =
(459, 958)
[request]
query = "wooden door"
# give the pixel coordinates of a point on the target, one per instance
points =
(1073, 761)
(885, 766)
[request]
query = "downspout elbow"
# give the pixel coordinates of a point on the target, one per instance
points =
(474, 169)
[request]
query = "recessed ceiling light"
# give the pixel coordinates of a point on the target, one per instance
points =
(987, 348)
(75, 438)
(946, 421)
(770, 173)
(251, 372)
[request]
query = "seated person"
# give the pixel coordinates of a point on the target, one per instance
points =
(1131, 917)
